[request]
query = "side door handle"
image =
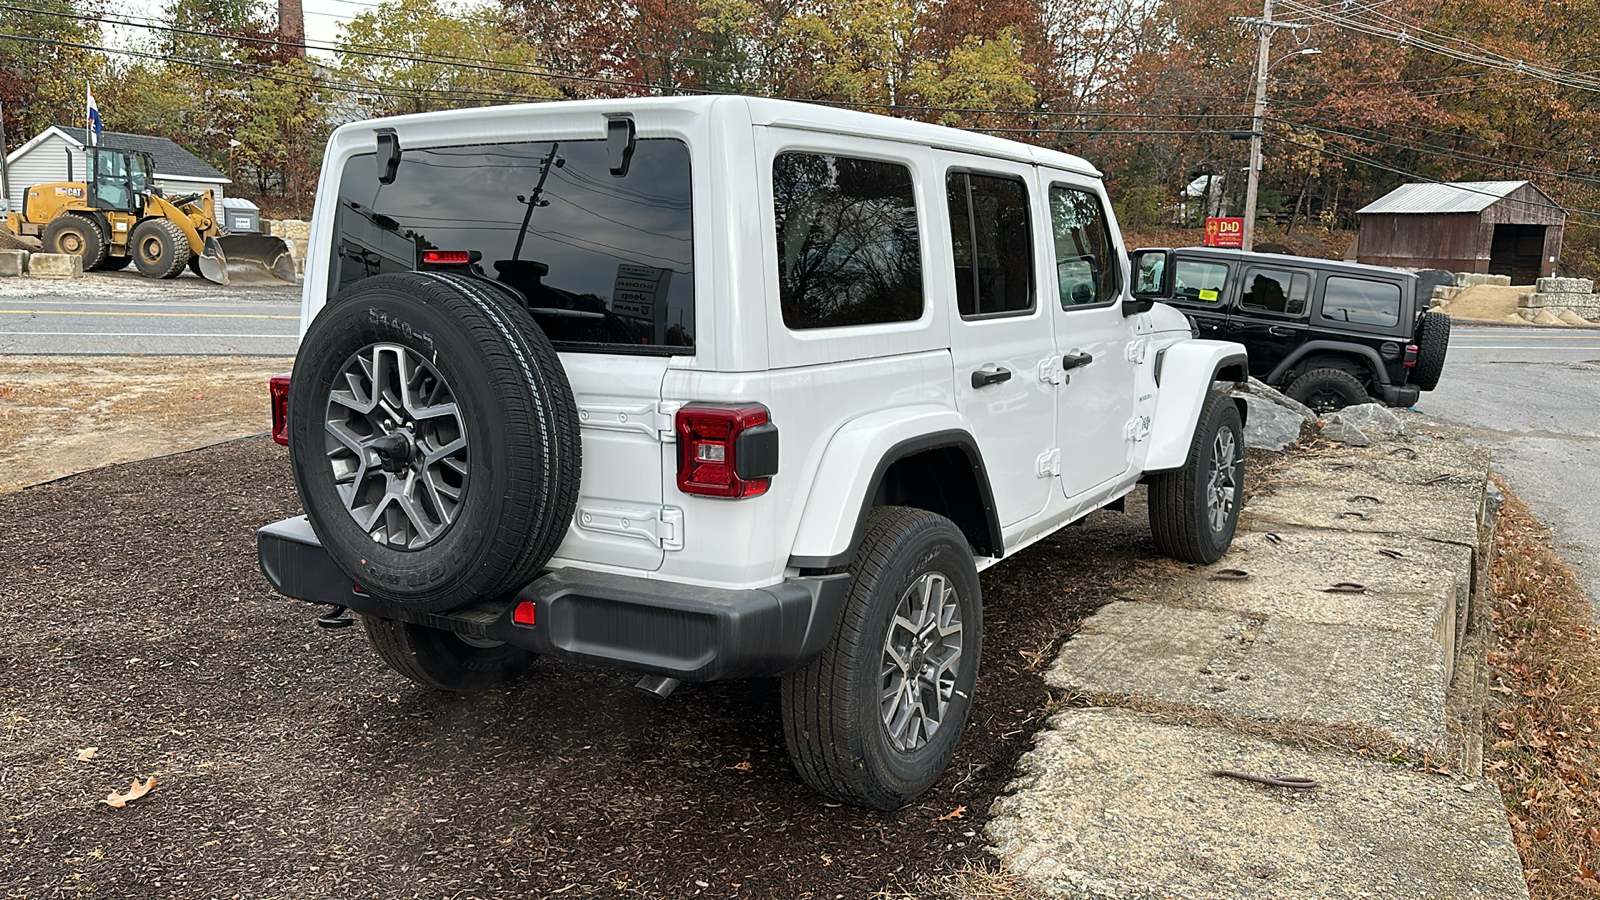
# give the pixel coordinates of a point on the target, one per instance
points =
(983, 378)
(1280, 331)
(1076, 360)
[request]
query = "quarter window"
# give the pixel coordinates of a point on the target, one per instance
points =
(849, 250)
(1200, 281)
(1087, 269)
(993, 242)
(1361, 302)
(1276, 291)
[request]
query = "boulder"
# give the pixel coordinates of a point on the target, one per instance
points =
(1259, 389)
(1345, 434)
(13, 262)
(55, 265)
(1372, 418)
(1269, 426)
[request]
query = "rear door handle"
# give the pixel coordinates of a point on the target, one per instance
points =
(982, 378)
(1076, 360)
(1280, 331)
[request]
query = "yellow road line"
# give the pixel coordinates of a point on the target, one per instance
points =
(154, 315)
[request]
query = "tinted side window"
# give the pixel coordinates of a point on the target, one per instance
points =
(1087, 268)
(849, 250)
(989, 228)
(1200, 281)
(606, 263)
(1361, 302)
(1275, 290)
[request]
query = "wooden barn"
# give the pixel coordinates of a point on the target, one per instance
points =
(1495, 227)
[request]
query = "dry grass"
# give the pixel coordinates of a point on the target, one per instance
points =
(1544, 708)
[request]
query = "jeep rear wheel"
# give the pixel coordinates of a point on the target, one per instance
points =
(1194, 510)
(1433, 341)
(435, 440)
(875, 719)
(1328, 390)
(443, 660)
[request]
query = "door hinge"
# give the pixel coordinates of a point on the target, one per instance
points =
(1050, 372)
(1050, 463)
(1135, 352)
(662, 525)
(1137, 429)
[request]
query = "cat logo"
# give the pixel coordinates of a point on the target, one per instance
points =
(76, 192)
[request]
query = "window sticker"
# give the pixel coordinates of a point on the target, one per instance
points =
(1208, 296)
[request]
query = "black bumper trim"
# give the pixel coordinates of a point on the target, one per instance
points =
(620, 621)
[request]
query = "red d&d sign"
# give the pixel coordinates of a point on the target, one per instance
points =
(1224, 232)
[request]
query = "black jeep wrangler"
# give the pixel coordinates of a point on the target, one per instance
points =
(1329, 334)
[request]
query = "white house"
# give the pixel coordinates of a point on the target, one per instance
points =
(44, 160)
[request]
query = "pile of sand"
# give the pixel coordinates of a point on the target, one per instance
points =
(1485, 302)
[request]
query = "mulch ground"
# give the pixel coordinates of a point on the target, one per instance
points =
(291, 764)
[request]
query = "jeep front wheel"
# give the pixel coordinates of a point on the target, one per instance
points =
(434, 440)
(1194, 510)
(875, 719)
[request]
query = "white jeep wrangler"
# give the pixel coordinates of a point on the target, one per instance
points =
(723, 388)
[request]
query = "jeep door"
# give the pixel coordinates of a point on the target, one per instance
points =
(1000, 340)
(1270, 316)
(1202, 291)
(1095, 398)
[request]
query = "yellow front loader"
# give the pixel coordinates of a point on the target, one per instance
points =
(116, 216)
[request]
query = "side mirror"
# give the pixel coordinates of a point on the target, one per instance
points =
(388, 156)
(1153, 273)
(620, 143)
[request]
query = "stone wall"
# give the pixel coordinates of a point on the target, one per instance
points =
(297, 232)
(1553, 296)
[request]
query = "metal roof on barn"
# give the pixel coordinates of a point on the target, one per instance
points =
(170, 159)
(1451, 197)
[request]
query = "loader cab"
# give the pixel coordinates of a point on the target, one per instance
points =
(118, 179)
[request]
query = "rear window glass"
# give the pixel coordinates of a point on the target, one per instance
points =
(1361, 302)
(1200, 281)
(993, 243)
(849, 249)
(606, 263)
(1276, 291)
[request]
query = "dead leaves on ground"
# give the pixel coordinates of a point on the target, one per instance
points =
(135, 791)
(86, 753)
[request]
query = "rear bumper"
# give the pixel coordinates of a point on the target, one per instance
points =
(1403, 395)
(620, 621)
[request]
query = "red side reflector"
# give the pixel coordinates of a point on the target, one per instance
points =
(279, 386)
(446, 257)
(524, 613)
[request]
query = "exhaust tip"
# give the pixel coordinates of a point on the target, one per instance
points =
(660, 685)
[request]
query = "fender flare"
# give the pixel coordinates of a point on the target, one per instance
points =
(834, 519)
(175, 216)
(1379, 371)
(1185, 375)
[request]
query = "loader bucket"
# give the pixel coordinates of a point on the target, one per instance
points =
(246, 257)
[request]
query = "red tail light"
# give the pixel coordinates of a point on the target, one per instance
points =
(726, 451)
(280, 409)
(1411, 356)
(446, 257)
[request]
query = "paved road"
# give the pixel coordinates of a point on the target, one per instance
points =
(174, 327)
(1533, 395)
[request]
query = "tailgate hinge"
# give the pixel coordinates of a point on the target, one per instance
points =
(653, 419)
(661, 526)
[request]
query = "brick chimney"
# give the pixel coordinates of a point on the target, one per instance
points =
(292, 26)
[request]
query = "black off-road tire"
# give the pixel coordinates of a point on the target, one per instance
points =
(442, 660)
(158, 248)
(520, 454)
(834, 707)
(1328, 390)
(114, 263)
(1433, 341)
(76, 235)
(1195, 510)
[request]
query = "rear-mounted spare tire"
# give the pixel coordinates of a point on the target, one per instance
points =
(434, 439)
(1433, 341)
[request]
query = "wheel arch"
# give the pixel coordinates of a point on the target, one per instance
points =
(926, 461)
(1186, 371)
(1366, 357)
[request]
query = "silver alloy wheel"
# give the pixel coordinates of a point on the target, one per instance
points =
(1222, 485)
(397, 445)
(921, 654)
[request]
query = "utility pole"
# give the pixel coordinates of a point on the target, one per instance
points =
(1265, 27)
